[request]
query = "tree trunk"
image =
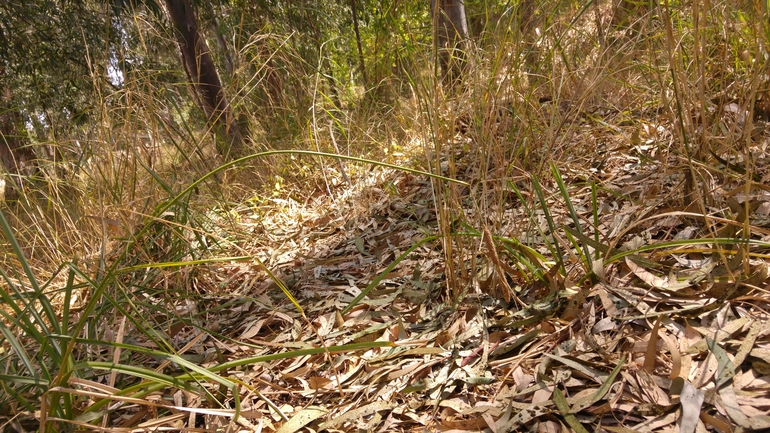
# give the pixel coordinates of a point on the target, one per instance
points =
(203, 76)
(451, 33)
(324, 65)
(362, 65)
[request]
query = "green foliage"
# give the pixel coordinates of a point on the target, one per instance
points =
(30, 327)
(53, 55)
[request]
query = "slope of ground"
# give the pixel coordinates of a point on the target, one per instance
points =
(663, 328)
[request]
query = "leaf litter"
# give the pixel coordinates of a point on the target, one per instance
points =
(667, 330)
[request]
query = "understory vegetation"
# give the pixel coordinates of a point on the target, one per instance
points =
(561, 222)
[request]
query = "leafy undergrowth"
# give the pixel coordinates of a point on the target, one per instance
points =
(654, 319)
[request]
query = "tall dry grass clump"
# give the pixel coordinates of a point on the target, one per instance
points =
(676, 86)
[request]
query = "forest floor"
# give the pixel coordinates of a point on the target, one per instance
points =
(667, 331)
(577, 239)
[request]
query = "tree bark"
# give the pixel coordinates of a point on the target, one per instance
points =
(203, 75)
(451, 33)
(362, 65)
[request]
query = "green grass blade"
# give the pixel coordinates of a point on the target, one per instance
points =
(575, 218)
(20, 352)
(147, 374)
(385, 272)
(552, 246)
(39, 295)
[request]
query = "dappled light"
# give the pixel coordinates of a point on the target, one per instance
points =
(354, 216)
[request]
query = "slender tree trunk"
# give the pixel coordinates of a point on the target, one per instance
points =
(358, 41)
(203, 75)
(324, 64)
(451, 33)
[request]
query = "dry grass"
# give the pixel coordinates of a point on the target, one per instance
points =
(599, 263)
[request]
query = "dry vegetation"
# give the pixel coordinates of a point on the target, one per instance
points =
(593, 259)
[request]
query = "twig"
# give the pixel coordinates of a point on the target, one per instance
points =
(337, 149)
